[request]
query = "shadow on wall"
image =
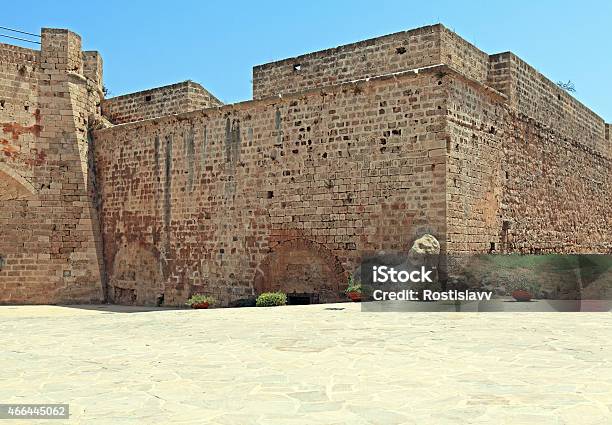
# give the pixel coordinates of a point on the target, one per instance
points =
(94, 213)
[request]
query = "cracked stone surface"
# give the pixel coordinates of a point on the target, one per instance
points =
(307, 365)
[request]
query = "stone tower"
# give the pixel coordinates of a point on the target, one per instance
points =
(50, 244)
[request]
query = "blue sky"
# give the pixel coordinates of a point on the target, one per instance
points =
(148, 44)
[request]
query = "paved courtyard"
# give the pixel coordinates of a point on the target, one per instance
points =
(317, 364)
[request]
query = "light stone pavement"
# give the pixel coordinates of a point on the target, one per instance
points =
(307, 365)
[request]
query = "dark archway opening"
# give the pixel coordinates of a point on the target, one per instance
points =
(302, 299)
(307, 272)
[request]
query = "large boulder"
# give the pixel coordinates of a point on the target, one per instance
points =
(425, 252)
(426, 245)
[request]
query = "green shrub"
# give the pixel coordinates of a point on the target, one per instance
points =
(353, 286)
(271, 299)
(521, 281)
(200, 298)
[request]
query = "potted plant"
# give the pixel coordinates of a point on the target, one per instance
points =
(200, 301)
(353, 290)
(523, 290)
(271, 299)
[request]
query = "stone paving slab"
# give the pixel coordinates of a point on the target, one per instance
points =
(307, 365)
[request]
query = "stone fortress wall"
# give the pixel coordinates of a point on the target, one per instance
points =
(515, 184)
(296, 187)
(343, 152)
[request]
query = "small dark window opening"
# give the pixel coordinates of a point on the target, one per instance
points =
(507, 175)
(297, 67)
(148, 98)
(270, 194)
(26, 107)
(400, 50)
(1, 103)
(492, 247)
(2, 262)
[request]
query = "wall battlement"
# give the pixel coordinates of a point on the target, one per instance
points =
(401, 51)
(167, 100)
(18, 55)
(528, 91)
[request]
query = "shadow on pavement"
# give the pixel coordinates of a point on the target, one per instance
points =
(115, 308)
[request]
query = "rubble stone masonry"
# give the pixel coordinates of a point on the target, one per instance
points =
(344, 152)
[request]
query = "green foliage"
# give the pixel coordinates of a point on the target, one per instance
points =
(522, 282)
(353, 286)
(554, 262)
(199, 299)
(271, 299)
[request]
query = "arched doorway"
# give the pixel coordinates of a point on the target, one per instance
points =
(136, 277)
(306, 271)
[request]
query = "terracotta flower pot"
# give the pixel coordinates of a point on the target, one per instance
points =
(354, 296)
(199, 305)
(521, 295)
